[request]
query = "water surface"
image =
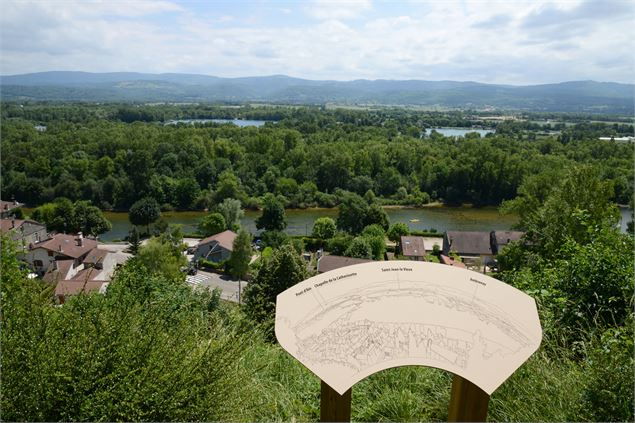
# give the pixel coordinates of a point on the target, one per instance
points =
(238, 122)
(300, 222)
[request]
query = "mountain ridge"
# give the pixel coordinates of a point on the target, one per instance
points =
(585, 95)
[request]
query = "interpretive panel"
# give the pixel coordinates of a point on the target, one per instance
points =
(349, 323)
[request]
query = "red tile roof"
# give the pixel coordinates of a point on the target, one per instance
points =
(468, 243)
(74, 287)
(225, 239)
(8, 224)
(54, 274)
(67, 245)
(451, 262)
(412, 246)
(96, 256)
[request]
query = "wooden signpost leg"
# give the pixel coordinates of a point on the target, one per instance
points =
(468, 402)
(333, 406)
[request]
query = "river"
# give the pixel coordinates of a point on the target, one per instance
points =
(300, 222)
(459, 132)
(238, 122)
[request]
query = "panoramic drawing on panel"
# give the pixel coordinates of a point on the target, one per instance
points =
(349, 323)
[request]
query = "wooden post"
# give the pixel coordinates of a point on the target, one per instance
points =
(468, 402)
(333, 406)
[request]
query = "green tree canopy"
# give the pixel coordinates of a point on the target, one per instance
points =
(273, 217)
(355, 214)
(144, 212)
(66, 216)
(241, 255)
(232, 211)
(397, 230)
(359, 248)
(212, 224)
(282, 270)
(324, 228)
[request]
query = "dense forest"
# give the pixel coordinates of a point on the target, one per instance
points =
(114, 155)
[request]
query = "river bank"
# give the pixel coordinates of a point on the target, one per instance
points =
(300, 221)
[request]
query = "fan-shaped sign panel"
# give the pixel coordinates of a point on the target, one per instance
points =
(349, 323)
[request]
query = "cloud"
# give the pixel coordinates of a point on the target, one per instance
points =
(587, 11)
(500, 42)
(333, 9)
(494, 22)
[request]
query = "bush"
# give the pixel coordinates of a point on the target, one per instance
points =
(212, 265)
(150, 349)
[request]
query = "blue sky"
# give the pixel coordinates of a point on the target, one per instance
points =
(511, 42)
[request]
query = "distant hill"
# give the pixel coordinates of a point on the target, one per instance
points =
(577, 96)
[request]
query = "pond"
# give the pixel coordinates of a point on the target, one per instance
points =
(238, 122)
(459, 132)
(300, 222)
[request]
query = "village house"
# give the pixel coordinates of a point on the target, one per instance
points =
(215, 248)
(500, 239)
(43, 254)
(413, 248)
(23, 232)
(327, 263)
(92, 274)
(470, 246)
(7, 208)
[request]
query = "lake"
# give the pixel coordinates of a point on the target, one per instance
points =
(459, 132)
(300, 222)
(238, 122)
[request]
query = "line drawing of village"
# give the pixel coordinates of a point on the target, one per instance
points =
(410, 318)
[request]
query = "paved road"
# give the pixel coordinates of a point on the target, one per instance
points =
(228, 287)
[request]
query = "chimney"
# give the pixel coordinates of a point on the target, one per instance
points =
(80, 240)
(15, 203)
(59, 248)
(12, 223)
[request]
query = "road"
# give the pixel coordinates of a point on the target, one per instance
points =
(228, 286)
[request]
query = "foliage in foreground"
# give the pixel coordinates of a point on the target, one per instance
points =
(151, 349)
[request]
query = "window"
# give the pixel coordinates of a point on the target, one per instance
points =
(50, 253)
(38, 263)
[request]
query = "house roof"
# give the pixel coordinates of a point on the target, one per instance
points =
(468, 242)
(9, 205)
(451, 262)
(8, 224)
(505, 237)
(412, 246)
(225, 239)
(76, 286)
(66, 245)
(329, 262)
(58, 271)
(96, 256)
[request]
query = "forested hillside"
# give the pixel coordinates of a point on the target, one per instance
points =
(116, 155)
(574, 96)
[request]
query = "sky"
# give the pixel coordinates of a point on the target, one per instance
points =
(505, 42)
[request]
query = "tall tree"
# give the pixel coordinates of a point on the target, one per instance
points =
(144, 212)
(273, 217)
(135, 241)
(324, 228)
(212, 224)
(240, 257)
(232, 211)
(282, 270)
